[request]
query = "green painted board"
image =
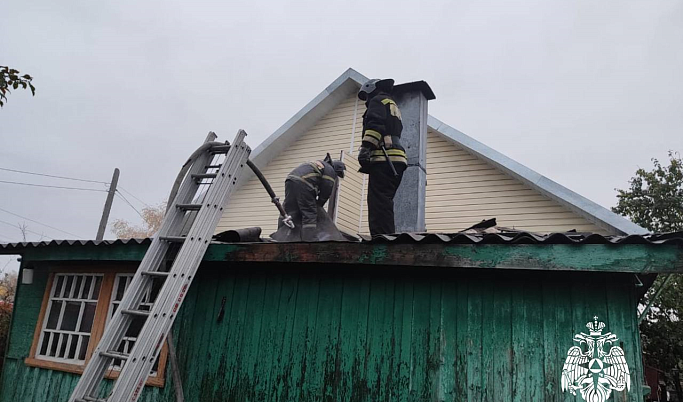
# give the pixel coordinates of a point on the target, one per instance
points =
(300, 333)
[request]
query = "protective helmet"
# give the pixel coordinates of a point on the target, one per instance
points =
(369, 87)
(338, 166)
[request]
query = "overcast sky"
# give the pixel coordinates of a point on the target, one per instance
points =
(584, 92)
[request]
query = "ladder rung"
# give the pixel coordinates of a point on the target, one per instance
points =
(213, 166)
(155, 273)
(189, 207)
(173, 239)
(204, 176)
(91, 399)
(141, 313)
(114, 355)
(220, 149)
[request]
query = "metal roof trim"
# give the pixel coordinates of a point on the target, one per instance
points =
(304, 119)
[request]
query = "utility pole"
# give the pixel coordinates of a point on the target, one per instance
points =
(107, 205)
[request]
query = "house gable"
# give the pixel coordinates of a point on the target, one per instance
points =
(466, 181)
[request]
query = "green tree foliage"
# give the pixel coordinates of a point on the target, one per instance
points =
(655, 202)
(10, 78)
(655, 198)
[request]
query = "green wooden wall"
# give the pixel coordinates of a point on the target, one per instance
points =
(341, 333)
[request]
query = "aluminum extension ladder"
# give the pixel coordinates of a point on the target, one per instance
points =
(176, 280)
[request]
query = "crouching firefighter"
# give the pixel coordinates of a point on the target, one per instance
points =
(381, 155)
(307, 189)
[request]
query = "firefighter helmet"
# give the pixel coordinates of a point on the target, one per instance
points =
(374, 84)
(338, 166)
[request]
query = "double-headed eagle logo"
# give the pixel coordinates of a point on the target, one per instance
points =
(595, 373)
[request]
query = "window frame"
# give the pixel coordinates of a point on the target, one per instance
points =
(102, 310)
(66, 299)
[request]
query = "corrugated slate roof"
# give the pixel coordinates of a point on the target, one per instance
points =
(527, 238)
(512, 238)
(36, 244)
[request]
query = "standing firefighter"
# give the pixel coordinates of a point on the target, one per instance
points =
(381, 141)
(307, 189)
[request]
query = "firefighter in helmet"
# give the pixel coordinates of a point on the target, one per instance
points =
(380, 151)
(308, 187)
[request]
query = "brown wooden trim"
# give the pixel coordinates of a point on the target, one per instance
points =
(158, 381)
(101, 312)
(68, 367)
(41, 316)
(96, 268)
(163, 357)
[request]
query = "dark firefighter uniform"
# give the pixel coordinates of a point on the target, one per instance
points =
(306, 188)
(381, 126)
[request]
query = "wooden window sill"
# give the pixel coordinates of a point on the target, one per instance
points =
(78, 369)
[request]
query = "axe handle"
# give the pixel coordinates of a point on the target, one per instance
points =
(391, 165)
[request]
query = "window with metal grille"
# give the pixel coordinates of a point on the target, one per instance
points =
(120, 286)
(77, 305)
(69, 317)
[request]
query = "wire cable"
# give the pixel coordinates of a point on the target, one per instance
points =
(45, 185)
(40, 223)
(6, 238)
(2, 271)
(57, 177)
(128, 202)
(129, 193)
(30, 231)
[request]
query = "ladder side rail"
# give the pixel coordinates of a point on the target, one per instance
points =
(186, 264)
(94, 373)
(133, 376)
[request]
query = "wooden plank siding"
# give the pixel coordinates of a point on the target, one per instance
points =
(359, 334)
(461, 189)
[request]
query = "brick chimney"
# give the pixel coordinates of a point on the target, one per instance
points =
(409, 203)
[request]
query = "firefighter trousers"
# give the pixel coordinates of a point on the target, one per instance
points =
(382, 186)
(300, 201)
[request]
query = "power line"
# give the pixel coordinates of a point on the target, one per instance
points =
(128, 202)
(6, 238)
(2, 271)
(40, 223)
(30, 231)
(44, 185)
(57, 177)
(129, 193)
